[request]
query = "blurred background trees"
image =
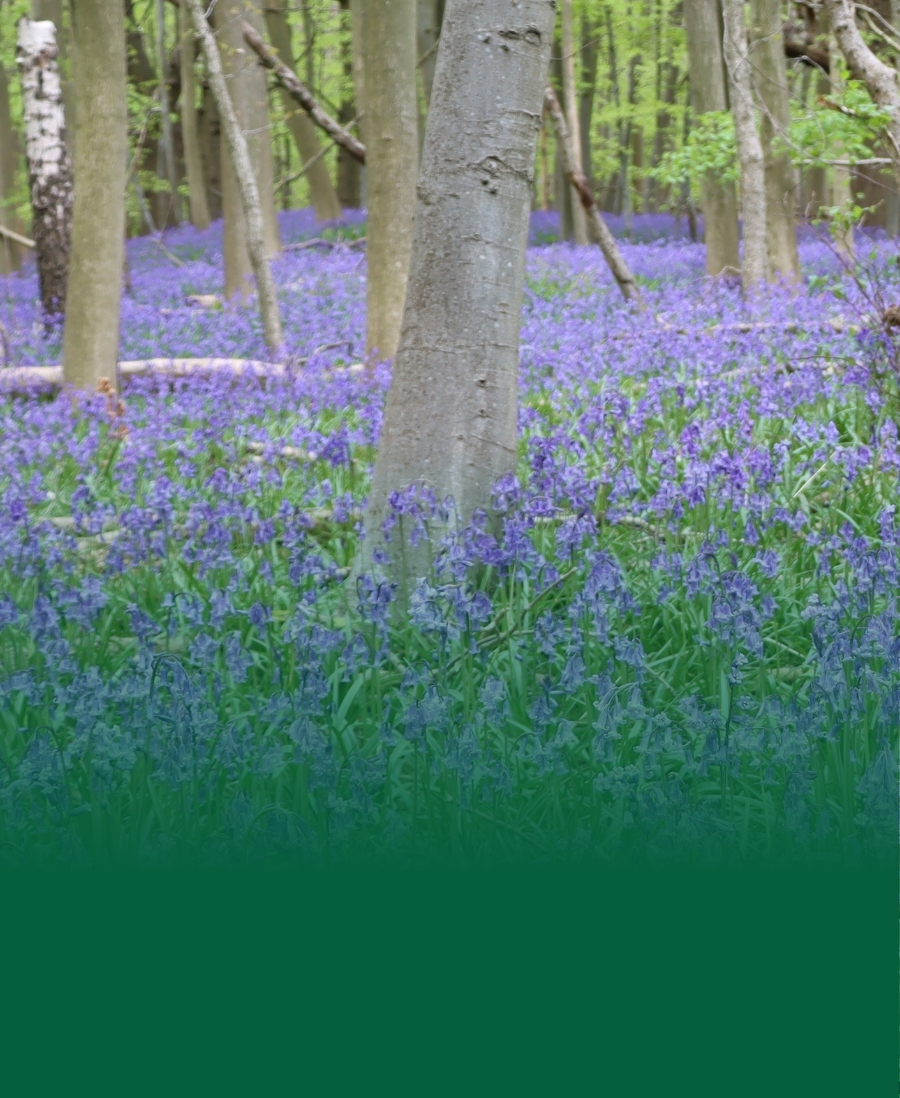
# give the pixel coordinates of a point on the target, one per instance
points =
(644, 86)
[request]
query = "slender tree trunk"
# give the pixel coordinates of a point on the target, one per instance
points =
(754, 268)
(430, 14)
(211, 151)
(389, 58)
(611, 252)
(324, 197)
(49, 166)
(770, 80)
(570, 100)
(589, 56)
(451, 414)
(191, 135)
(703, 30)
(239, 156)
(91, 339)
(167, 145)
(841, 192)
(357, 34)
(348, 168)
(246, 83)
(11, 254)
(880, 79)
(563, 198)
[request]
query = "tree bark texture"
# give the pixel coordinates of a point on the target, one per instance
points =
(189, 127)
(607, 242)
(91, 338)
(324, 197)
(703, 30)
(49, 164)
(841, 191)
(239, 157)
(450, 421)
(754, 268)
(246, 84)
(11, 253)
(770, 80)
(570, 100)
(589, 58)
(392, 154)
(880, 79)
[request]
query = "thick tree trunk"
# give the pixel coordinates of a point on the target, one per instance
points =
(703, 30)
(451, 414)
(324, 197)
(167, 145)
(570, 100)
(49, 165)
(239, 158)
(246, 84)
(348, 184)
(11, 253)
(91, 339)
(614, 258)
(189, 128)
(754, 268)
(880, 79)
(392, 153)
(770, 79)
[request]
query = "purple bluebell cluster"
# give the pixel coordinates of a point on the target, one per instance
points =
(680, 638)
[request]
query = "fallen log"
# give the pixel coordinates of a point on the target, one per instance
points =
(25, 378)
(299, 92)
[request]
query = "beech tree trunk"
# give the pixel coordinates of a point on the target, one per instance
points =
(570, 100)
(11, 253)
(703, 30)
(324, 197)
(392, 153)
(880, 79)
(589, 57)
(450, 422)
(357, 28)
(841, 191)
(49, 164)
(91, 339)
(348, 181)
(754, 268)
(211, 151)
(167, 145)
(770, 81)
(190, 131)
(239, 158)
(246, 85)
(428, 30)
(607, 242)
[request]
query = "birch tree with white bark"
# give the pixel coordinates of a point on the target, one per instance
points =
(49, 162)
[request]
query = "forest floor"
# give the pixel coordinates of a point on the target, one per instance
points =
(685, 643)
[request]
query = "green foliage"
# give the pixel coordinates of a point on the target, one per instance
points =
(846, 130)
(709, 150)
